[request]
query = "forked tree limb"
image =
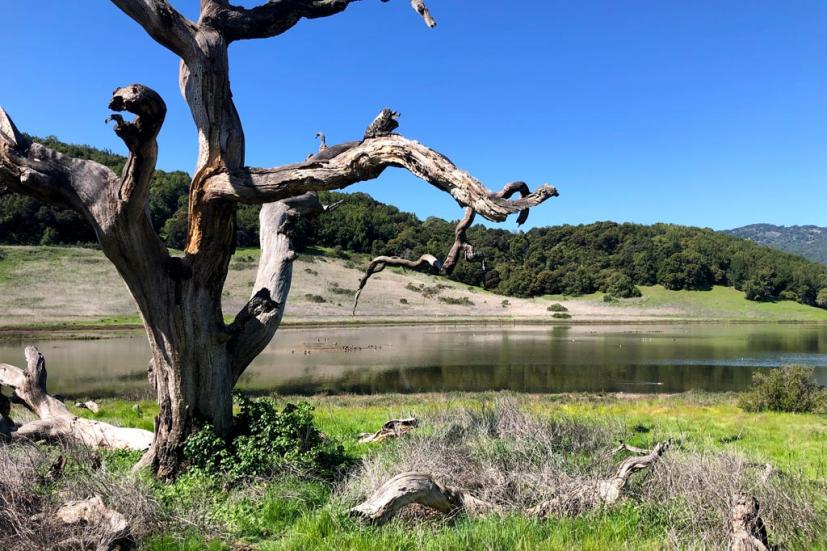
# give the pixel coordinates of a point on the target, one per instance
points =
(429, 262)
(413, 487)
(426, 262)
(56, 421)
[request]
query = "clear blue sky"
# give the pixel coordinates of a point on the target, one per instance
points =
(709, 113)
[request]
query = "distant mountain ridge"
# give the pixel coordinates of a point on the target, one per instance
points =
(807, 241)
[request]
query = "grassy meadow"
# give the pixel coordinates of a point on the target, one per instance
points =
(713, 440)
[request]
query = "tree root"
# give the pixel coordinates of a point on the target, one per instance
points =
(56, 421)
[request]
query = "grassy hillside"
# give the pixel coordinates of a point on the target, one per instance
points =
(56, 285)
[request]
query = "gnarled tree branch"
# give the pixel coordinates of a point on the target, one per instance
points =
(139, 136)
(163, 23)
(429, 262)
(341, 166)
(277, 16)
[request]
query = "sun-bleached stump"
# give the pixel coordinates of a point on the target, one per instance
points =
(748, 530)
(56, 421)
(421, 488)
(112, 530)
(392, 429)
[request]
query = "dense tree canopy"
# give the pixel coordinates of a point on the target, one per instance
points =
(571, 260)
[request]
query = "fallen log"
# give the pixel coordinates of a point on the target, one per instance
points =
(55, 421)
(392, 429)
(748, 530)
(112, 531)
(421, 488)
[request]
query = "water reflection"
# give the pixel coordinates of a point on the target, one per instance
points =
(643, 358)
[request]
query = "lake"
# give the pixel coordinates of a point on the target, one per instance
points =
(424, 358)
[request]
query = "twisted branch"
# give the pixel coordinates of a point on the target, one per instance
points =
(429, 263)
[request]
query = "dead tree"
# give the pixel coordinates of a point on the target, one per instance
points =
(196, 357)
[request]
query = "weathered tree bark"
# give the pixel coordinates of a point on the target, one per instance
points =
(748, 530)
(196, 357)
(56, 421)
(412, 487)
(392, 429)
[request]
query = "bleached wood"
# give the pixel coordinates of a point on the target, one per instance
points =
(55, 421)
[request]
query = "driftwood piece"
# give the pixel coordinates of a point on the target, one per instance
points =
(91, 405)
(392, 429)
(411, 487)
(748, 530)
(56, 421)
(421, 488)
(113, 528)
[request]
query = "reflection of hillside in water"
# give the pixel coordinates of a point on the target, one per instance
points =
(530, 358)
(543, 359)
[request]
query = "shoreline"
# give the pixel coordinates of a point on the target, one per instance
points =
(98, 330)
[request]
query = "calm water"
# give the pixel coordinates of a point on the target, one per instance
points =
(528, 358)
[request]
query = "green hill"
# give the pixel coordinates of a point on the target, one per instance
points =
(807, 241)
(606, 257)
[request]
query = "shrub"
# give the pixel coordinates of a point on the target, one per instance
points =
(556, 307)
(609, 298)
(464, 301)
(505, 303)
(620, 285)
(561, 315)
(314, 298)
(403, 301)
(789, 388)
(821, 298)
(266, 441)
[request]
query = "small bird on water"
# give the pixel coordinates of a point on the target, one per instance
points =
(383, 125)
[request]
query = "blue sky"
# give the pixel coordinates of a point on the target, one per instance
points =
(709, 113)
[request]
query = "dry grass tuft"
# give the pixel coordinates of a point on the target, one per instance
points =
(516, 460)
(32, 488)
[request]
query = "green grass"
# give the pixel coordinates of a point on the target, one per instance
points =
(293, 513)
